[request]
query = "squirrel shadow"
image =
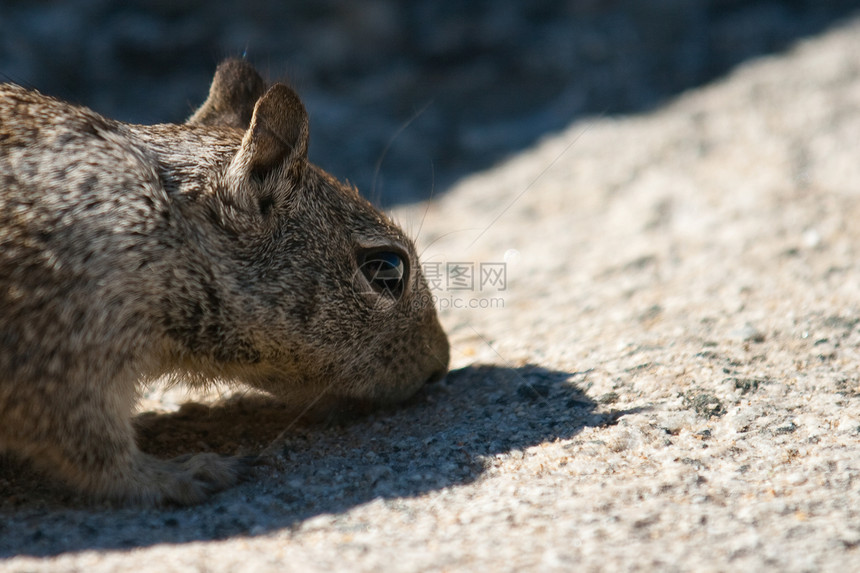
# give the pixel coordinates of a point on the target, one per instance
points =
(449, 434)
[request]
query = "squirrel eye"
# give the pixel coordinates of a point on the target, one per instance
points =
(385, 271)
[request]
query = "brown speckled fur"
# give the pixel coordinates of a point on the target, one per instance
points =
(207, 251)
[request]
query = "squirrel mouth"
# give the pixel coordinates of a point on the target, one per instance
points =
(436, 376)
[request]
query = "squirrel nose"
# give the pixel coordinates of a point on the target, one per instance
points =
(436, 376)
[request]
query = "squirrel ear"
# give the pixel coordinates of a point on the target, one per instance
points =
(235, 89)
(278, 133)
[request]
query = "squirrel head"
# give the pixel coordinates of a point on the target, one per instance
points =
(324, 297)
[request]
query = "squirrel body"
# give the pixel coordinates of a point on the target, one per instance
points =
(210, 250)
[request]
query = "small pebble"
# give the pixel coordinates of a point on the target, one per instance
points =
(748, 333)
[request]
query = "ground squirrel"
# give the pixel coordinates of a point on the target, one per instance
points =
(211, 250)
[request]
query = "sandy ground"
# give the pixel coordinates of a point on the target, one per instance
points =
(665, 380)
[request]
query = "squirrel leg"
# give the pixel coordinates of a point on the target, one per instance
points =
(84, 436)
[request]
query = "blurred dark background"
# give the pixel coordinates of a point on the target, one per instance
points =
(480, 79)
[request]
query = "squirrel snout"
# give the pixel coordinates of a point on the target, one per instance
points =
(436, 376)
